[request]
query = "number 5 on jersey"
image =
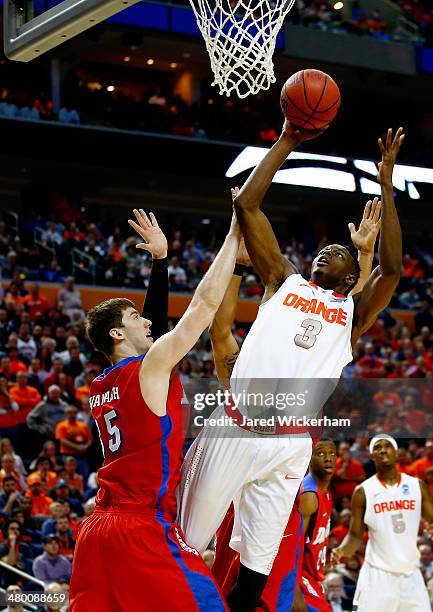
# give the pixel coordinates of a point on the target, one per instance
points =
(115, 442)
(312, 327)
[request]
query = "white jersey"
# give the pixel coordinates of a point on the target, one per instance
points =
(301, 332)
(392, 515)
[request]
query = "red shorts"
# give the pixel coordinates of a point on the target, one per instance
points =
(313, 595)
(129, 561)
(279, 592)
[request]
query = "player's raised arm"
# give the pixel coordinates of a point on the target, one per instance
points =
(155, 307)
(354, 538)
(364, 240)
(379, 288)
(170, 348)
(224, 346)
(259, 236)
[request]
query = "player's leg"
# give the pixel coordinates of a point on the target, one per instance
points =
(267, 501)
(150, 567)
(214, 470)
(225, 567)
(90, 587)
(313, 595)
(413, 594)
(264, 509)
(279, 592)
(376, 591)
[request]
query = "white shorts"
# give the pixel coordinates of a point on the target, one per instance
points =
(260, 473)
(381, 591)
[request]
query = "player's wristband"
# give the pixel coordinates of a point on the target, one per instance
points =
(239, 270)
(160, 262)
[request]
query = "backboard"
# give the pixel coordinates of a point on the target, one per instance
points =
(30, 30)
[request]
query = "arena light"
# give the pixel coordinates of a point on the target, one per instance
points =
(338, 6)
(331, 172)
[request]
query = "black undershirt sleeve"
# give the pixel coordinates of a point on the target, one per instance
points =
(155, 305)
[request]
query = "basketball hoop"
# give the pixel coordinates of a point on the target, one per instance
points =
(240, 38)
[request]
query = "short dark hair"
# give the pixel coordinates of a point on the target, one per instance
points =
(9, 479)
(102, 318)
(356, 267)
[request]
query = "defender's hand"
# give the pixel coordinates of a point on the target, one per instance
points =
(149, 230)
(389, 152)
(365, 237)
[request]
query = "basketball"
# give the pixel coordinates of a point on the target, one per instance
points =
(310, 99)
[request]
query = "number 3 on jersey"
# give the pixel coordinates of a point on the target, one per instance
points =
(312, 327)
(115, 442)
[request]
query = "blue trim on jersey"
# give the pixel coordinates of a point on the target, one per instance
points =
(166, 428)
(311, 609)
(286, 594)
(119, 364)
(203, 588)
(309, 484)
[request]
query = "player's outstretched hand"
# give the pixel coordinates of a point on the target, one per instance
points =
(389, 151)
(148, 229)
(242, 257)
(364, 237)
(336, 555)
(298, 135)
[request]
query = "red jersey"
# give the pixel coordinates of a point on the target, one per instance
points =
(143, 452)
(316, 542)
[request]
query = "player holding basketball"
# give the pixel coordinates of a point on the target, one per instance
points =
(312, 511)
(304, 330)
(390, 504)
(130, 554)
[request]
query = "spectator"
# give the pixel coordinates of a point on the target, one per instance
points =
(69, 299)
(40, 502)
(62, 493)
(53, 376)
(48, 413)
(59, 595)
(8, 469)
(12, 550)
(25, 396)
(9, 496)
(50, 566)
(409, 299)
(348, 473)
(359, 449)
(73, 479)
(342, 529)
(74, 436)
(36, 303)
(426, 560)
(58, 510)
(7, 448)
(36, 375)
(44, 470)
(404, 460)
(419, 467)
(335, 593)
(13, 590)
(84, 390)
(26, 343)
(64, 536)
(209, 557)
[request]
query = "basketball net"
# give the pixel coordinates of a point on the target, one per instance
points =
(240, 38)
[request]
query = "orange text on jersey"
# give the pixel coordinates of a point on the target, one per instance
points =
(391, 506)
(314, 306)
